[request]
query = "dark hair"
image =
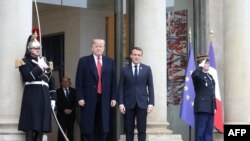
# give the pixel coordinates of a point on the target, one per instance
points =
(136, 48)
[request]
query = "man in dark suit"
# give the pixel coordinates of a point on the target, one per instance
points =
(204, 103)
(136, 95)
(66, 108)
(96, 92)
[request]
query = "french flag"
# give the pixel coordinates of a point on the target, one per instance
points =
(218, 120)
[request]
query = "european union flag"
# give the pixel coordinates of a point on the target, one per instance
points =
(187, 110)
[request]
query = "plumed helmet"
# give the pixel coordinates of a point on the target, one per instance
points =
(33, 43)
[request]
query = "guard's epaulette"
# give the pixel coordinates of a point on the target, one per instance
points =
(19, 62)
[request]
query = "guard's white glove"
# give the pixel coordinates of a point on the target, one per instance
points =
(41, 63)
(53, 104)
(202, 64)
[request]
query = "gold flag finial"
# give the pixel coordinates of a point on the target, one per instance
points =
(211, 33)
(190, 34)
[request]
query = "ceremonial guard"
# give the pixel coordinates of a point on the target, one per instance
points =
(204, 103)
(39, 94)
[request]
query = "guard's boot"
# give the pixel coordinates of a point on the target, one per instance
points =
(38, 136)
(29, 136)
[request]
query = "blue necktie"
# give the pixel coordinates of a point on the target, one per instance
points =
(136, 72)
(67, 92)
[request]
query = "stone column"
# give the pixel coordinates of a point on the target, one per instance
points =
(237, 64)
(201, 26)
(15, 26)
(150, 35)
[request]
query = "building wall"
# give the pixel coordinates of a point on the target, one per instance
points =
(93, 25)
(80, 26)
(67, 21)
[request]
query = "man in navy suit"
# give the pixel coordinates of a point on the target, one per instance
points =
(96, 92)
(204, 102)
(66, 108)
(136, 95)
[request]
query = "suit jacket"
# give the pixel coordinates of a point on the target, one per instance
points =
(63, 103)
(204, 86)
(86, 89)
(140, 91)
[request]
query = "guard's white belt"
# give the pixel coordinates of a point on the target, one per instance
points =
(37, 83)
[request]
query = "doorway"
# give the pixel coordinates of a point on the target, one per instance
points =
(53, 50)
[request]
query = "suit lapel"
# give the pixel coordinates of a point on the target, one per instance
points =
(63, 94)
(140, 70)
(70, 93)
(92, 65)
(130, 70)
(104, 64)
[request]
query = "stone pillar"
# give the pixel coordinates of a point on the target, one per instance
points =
(201, 26)
(150, 35)
(237, 64)
(15, 27)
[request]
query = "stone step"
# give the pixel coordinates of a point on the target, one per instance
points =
(218, 137)
(168, 137)
(159, 137)
(157, 131)
(9, 126)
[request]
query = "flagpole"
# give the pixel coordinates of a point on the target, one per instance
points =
(190, 41)
(190, 135)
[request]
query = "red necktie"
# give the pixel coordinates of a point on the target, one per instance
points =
(99, 72)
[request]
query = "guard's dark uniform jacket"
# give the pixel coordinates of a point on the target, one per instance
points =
(204, 86)
(37, 95)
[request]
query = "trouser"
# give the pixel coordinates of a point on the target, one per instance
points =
(204, 124)
(98, 134)
(67, 124)
(141, 120)
(34, 135)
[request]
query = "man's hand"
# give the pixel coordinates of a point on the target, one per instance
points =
(41, 63)
(202, 64)
(81, 103)
(122, 109)
(150, 108)
(67, 111)
(112, 103)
